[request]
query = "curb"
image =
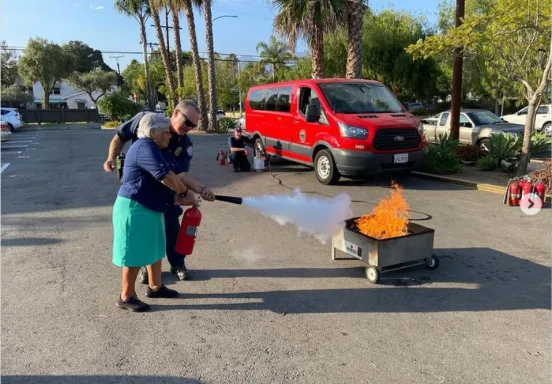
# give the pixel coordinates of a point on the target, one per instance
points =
(468, 184)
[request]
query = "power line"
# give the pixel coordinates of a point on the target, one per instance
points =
(141, 53)
(260, 17)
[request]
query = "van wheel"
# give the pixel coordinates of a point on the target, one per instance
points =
(258, 148)
(324, 166)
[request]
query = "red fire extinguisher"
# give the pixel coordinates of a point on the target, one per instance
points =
(188, 230)
(221, 157)
(515, 194)
(540, 189)
(526, 188)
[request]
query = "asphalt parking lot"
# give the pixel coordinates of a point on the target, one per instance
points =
(265, 304)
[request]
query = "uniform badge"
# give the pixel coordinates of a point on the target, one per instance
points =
(190, 151)
(178, 151)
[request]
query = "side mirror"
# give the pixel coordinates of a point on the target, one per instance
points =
(313, 113)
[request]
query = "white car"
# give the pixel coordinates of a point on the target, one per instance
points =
(543, 119)
(12, 117)
(241, 122)
(4, 131)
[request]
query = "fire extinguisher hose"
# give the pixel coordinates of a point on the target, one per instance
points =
(229, 199)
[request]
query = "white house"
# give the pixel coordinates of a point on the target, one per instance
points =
(64, 96)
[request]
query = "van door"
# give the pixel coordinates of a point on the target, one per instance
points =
(278, 116)
(304, 134)
(466, 130)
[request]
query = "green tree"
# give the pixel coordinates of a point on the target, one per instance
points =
(95, 83)
(8, 61)
(47, 63)
(15, 95)
(513, 38)
(310, 19)
(275, 54)
(86, 58)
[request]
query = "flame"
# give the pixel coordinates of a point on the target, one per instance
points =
(388, 219)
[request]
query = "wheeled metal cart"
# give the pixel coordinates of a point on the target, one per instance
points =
(386, 255)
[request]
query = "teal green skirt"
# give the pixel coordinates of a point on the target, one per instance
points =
(138, 234)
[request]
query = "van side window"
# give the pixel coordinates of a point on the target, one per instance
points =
(257, 99)
(271, 101)
(284, 97)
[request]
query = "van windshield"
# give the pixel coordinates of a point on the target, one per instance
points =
(359, 98)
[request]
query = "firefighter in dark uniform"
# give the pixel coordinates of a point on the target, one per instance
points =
(184, 118)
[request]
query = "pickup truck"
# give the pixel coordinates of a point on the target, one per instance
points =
(476, 126)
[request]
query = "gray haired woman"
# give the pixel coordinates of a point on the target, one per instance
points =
(149, 183)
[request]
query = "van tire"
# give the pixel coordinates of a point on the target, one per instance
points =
(259, 144)
(325, 169)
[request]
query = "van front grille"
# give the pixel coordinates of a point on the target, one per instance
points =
(396, 139)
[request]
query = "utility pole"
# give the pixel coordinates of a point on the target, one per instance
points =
(457, 79)
(117, 59)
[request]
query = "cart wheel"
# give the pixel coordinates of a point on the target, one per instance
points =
(433, 263)
(372, 274)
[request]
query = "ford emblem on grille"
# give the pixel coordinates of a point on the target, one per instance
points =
(398, 138)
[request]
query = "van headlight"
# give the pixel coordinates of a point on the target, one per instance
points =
(421, 128)
(352, 132)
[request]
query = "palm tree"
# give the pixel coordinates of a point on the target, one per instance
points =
(176, 6)
(206, 7)
(310, 19)
(155, 6)
(274, 53)
(355, 14)
(140, 10)
(189, 12)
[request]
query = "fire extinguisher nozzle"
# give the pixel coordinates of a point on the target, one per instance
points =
(229, 199)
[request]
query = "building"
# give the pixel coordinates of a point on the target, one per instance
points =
(63, 96)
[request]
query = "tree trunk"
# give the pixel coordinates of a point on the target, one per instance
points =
(211, 66)
(149, 96)
(188, 10)
(178, 47)
(317, 47)
(46, 104)
(534, 101)
(457, 79)
(354, 48)
(170, 82)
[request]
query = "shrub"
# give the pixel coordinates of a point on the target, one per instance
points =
(500, 147)
(469, 153)
(118, 107)
(539, 142)
(487, 163)
(225, 124)
(443, 158)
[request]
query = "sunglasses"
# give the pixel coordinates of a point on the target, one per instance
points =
(187, 121)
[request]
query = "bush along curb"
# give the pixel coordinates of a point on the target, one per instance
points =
(468, 184)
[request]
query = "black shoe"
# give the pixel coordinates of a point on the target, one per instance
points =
(181, 273)
(132, 304)
(162, 292)
(143, 275)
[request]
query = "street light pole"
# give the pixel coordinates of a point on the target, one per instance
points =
(220, 17)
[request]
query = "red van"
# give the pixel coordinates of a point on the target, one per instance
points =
(341, 127)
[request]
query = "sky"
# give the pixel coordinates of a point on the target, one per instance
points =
(99, 25)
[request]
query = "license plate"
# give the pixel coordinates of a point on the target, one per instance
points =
(400, 158)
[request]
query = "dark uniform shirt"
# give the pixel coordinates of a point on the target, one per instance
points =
(239, 143)
(179, 151)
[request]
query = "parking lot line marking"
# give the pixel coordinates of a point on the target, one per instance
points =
(19, 141)
(10, 153)
(4, 167)
(23, 157)
(13, 146)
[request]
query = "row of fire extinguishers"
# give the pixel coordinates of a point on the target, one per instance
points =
(520, 186)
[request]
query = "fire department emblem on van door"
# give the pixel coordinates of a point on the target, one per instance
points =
(302, 135)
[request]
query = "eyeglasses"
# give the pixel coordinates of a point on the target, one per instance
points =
(187, 121)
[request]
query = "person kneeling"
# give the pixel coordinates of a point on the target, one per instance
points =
(238, 154)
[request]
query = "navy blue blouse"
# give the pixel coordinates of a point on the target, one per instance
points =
(145, 165)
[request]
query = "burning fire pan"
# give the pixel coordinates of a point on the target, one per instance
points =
(386, 255)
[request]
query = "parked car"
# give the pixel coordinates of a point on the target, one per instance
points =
(241, 123)
(476, 126)
(543, 120)
(5, 131)
(341, 127)
(220, 114)
(12, 117)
